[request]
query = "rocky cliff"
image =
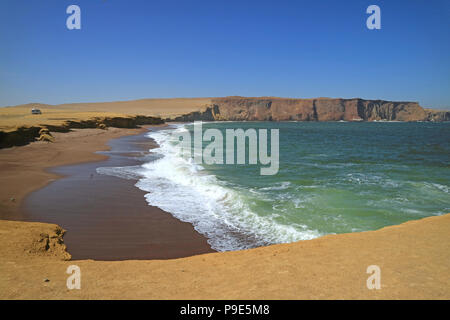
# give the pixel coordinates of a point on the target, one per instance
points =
(320, 109)
(437, 115)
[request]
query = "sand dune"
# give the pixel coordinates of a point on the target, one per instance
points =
(154, 107)
(12, 117)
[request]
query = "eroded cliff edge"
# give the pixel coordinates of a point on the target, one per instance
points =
(26, 134)
(320, 109)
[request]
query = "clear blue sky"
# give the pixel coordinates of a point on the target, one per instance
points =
(143, 49)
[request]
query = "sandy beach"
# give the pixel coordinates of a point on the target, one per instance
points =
(330, 267)
(117, 223)
(24, 169)
(113, 221)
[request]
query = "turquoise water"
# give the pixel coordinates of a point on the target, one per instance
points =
(334, 177)
(342, 177)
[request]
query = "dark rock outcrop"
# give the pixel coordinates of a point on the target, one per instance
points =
(437, 115)
(24, 135)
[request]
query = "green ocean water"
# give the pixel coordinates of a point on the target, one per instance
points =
(334, 177)
(339, 177)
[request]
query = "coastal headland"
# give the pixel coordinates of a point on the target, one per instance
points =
(19, 127)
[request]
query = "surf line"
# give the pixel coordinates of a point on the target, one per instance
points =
(213, 153)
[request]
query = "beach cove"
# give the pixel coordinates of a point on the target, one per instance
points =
(328, 267)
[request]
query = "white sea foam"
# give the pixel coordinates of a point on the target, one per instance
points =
(330, 191)
(189, 193)
(278, 186)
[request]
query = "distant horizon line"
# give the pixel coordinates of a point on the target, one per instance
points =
(219, 97)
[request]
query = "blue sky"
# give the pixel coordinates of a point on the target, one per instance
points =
(143, 49)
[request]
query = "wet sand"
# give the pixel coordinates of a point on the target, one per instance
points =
(413, 257)
(106, 218)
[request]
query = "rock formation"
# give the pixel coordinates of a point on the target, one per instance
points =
(437, 115)
(320, 109)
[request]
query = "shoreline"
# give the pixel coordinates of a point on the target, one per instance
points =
(158, 235)
(107, 217)
(34, 161)
(329, 267)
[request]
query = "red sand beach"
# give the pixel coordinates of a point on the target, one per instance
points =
(107, 218)
(330, 267)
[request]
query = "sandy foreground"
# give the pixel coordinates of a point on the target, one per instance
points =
(414, 257)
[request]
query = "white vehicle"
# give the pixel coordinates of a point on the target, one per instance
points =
(35, 111)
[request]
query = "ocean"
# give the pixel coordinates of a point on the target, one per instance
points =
(334, 177)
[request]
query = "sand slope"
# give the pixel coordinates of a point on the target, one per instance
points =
(414, 259)
(12, 117)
